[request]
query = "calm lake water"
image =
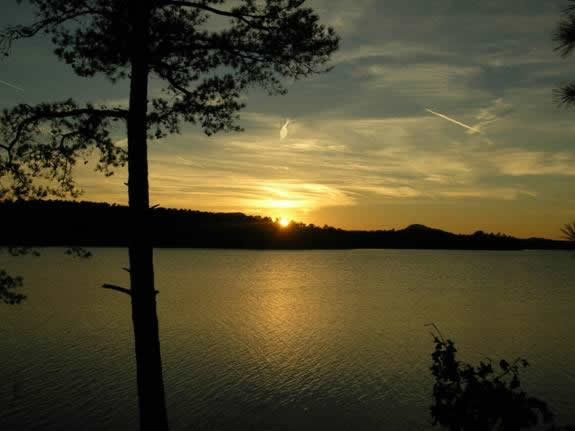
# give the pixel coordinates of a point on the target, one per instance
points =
(281, 340)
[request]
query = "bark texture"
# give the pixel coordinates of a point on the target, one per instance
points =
(151, 396)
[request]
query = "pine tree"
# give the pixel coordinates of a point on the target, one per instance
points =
(564, 36)
(204, 68)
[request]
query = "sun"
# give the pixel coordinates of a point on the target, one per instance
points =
(283, 222)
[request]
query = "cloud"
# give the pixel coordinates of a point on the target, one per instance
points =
(298, 195)
(528, 163)
(396, 50)
(344, 16)
(389, 191)
(496, 193)
(247, 194)
(421, 81)
(496, 111)
(439, 179)
(189, 162)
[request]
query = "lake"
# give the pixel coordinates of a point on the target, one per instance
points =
(281, 340)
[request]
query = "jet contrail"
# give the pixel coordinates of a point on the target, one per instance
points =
(284, 130)
(445, 117)
(11, 85)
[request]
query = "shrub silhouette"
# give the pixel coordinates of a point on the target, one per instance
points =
(483, 397)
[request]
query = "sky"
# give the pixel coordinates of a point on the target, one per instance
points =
(437, 112)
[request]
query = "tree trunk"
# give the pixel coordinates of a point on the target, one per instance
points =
(151, 398)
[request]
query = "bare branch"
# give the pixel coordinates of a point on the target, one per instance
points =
(117, 289)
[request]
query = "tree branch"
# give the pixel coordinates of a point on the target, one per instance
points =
(230, 14)
(13, 33)
(34, 154)
(49, 115)
(117, 289)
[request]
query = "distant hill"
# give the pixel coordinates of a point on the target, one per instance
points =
(66, 223)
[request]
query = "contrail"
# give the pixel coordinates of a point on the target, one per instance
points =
(11, 85)
(284, 130)
(445, 117)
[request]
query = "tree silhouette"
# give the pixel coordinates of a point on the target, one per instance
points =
(483, 397)
(564, 37)
(204, 69)
(568, 231)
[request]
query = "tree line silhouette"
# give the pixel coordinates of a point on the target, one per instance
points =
(71, 223)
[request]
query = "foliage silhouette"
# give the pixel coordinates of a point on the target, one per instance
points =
(564, 37)
(9, 282)
(568, 231)
(205, 72)
(484, 397)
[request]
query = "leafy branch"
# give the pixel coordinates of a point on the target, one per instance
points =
(568, 231)
(484, 397)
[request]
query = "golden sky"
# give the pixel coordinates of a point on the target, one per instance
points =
(437, 112)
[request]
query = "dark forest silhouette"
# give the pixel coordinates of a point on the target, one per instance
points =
(69, 223)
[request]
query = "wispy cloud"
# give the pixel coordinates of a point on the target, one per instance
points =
(11, 85)
(389, 191)
(396, 50)
(530, 163)
(189, 162)
(343, 15)
(496, 193)
(422, 80)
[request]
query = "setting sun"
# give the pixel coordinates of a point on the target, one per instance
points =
(283, 222)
